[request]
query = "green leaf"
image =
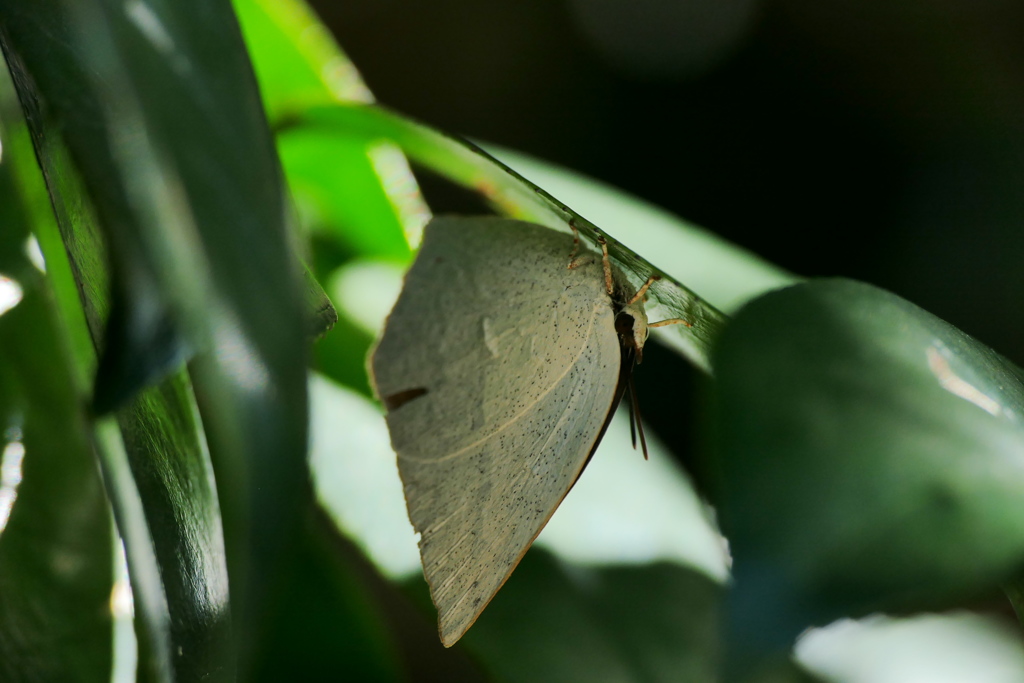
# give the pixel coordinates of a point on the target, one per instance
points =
(556, 622)
(56, 533)
(172, 470)
(870, 457)
(513, 195)
(358, 190)
(330, 615)
(296, 59)
(339, 185)
(63, 112)
(205, 182)
(56, 550)
(356, 195)
(151, 609)
(162, 118)
(726, 275)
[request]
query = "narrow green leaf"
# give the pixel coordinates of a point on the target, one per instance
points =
(194, 157)
(63, 114)
(726, 275)
(171, 467)
(360, 191)
(56, 533)
(513, 195)
(297, 61)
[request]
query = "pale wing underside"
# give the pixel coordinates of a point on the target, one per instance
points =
(519, 360)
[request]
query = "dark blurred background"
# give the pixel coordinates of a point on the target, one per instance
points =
(881, 140)
(876, 139)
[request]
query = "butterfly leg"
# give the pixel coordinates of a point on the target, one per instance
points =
(643, 290)
(662, 323)
(609, 283)
(670, 321)
(574, 260)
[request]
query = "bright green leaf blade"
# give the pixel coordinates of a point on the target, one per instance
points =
(339, 186)
(358, 190)
(871, 457)
(56, 535)
(297, 61)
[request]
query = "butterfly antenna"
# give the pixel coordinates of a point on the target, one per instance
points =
(632, 417)
(634, 413)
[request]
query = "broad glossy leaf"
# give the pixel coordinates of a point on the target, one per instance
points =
(214, 212)
(871, 457)
(84, 274)
(206, 183)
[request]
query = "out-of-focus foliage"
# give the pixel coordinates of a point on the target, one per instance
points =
(864, 454)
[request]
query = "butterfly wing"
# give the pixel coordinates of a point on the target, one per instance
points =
(499, 366)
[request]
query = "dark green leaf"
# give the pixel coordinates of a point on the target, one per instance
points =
(171, 468)
(56, 551)
(62, 109)
(56, 536)
(207, 209)
(87, 272)
(330, 620)
(556, 622)
(871, 457)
